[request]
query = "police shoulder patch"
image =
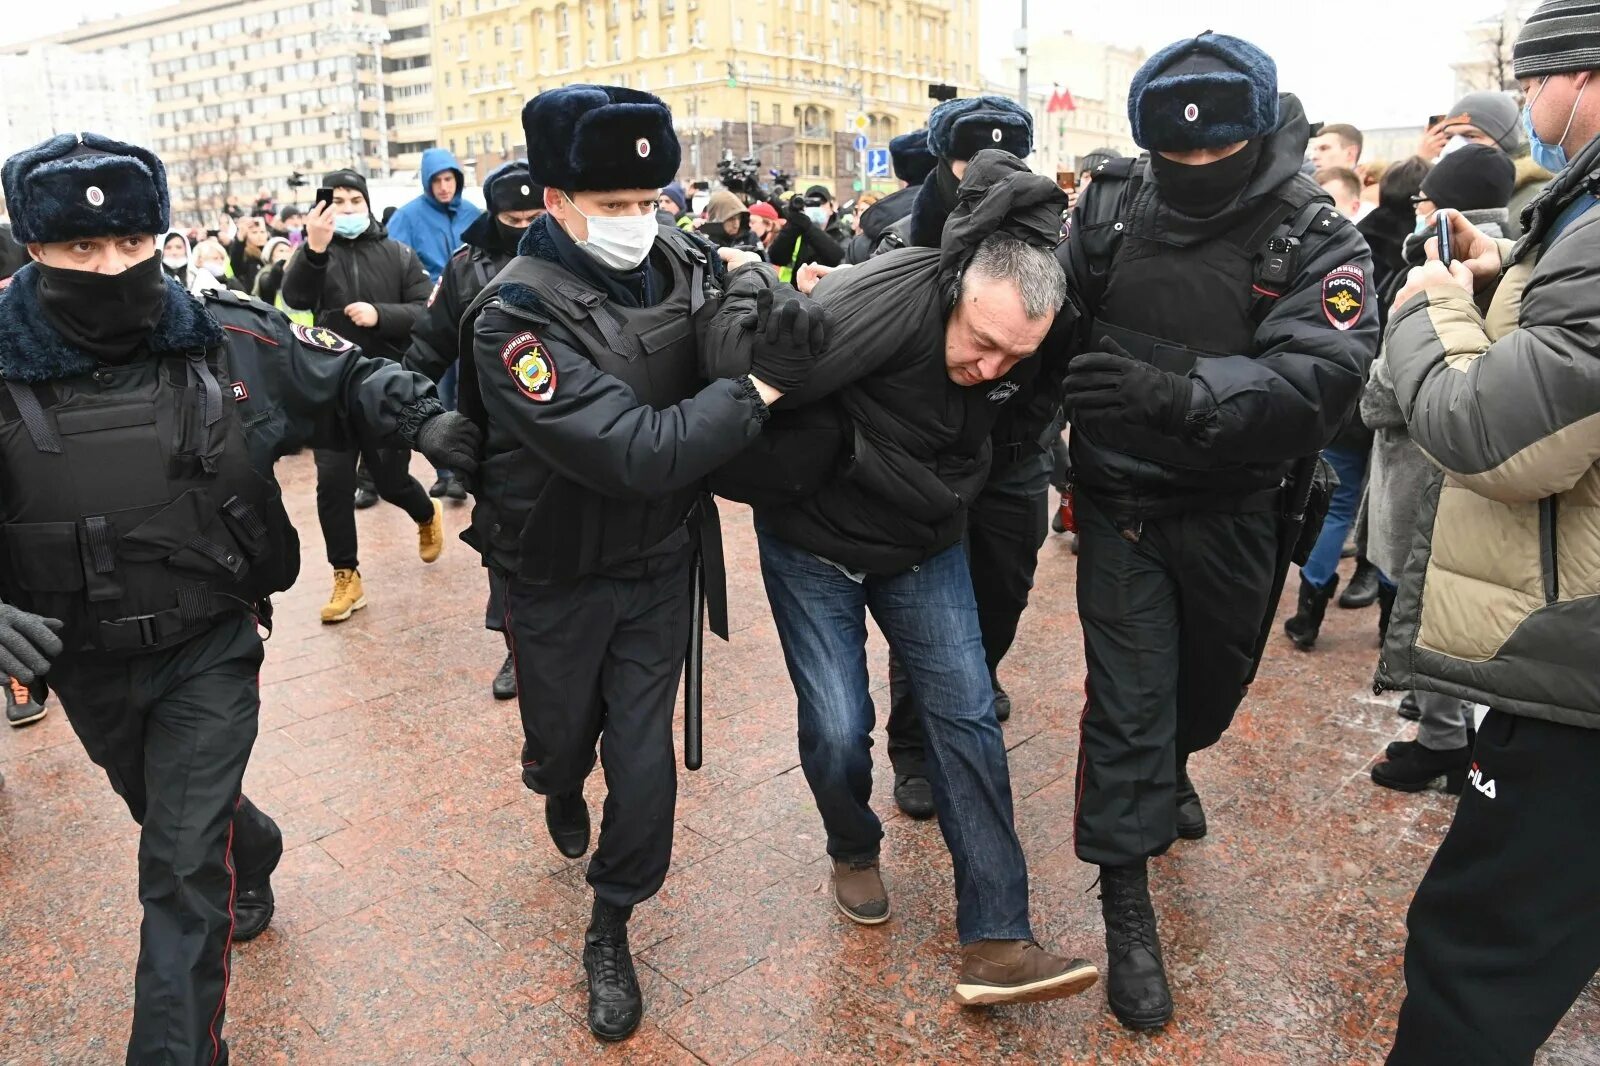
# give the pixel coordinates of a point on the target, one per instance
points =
(321, 337)
(1344, 295)
(530, 366)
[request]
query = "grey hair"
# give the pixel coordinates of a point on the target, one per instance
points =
(1035, 272)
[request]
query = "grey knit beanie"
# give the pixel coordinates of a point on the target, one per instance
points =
(1560, 37)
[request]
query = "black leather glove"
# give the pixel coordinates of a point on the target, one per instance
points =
(790, 332)
(451, 441)
(27, 643)
(1112, 386)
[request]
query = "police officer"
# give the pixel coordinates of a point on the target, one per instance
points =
(144, 532)
(1006, 522)
(1229, 324)
(600, 430)
(513, 200)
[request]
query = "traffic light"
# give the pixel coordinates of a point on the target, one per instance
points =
(733, 78)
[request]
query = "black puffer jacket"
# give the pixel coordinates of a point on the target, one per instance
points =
(369, 268)
(917, 445)
(876, 220)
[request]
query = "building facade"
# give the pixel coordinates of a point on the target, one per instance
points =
(243, 93)
(1078, 94)
(781, 80)
(50, 89)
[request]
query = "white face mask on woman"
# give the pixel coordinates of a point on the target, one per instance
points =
(618, 243)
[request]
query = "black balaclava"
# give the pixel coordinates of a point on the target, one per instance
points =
(105, 315)
(1210, 188)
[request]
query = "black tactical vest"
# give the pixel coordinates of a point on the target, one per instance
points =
(129, 507)
(572, 530)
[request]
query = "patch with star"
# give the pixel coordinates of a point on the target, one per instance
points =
(530, 366)
(321, 337)
(1343, 295)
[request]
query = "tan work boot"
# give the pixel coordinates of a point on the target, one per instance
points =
(430, 535)
(1018, 971)
(859, 892)
(347, 597)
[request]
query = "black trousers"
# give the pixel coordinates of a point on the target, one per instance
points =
(336, 494)
(599, 659)
(1170, 614)
(1005, 527)
(1505, 927)
(173, 731)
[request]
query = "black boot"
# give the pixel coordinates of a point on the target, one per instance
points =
(1386, 594)
(1191, 816)
(1410, 767)
(1002, 698)
(505, 682)
(1307, 621)
(1136, 984)
(567, 818)
(1363, 588)
(252, 912)
(615, 1003)
(1409, 709)
(913, 794)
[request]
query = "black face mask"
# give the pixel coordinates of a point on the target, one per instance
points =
(509, 235)
(105, 315)
(1205, 190)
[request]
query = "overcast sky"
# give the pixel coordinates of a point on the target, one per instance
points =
(1373, 65)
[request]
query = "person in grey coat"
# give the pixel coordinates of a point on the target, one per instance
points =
(1400, 476)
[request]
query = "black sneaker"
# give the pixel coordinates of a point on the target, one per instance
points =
(252, 912)
(440, 486)
(616, 1005)
(366, 498)
(21, 707)
(913, 794)
(1416, 768)
(457, 489)
(505, 682)
(567, 818)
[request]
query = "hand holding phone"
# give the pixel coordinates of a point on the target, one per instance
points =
(1441, 222)
(325, 196)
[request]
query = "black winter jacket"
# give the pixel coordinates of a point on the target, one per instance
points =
(369, 268)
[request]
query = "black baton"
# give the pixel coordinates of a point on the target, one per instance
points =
(691, 669)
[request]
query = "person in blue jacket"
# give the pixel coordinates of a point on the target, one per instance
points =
(432, 225)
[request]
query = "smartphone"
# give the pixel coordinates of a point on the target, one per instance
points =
(325, 196)
(1433, 120)
(1441, 220)
(1066, 180)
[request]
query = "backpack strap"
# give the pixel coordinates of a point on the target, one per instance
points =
(1279, 259)
(1101, 220)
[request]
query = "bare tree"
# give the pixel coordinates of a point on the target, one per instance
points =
(215, 158)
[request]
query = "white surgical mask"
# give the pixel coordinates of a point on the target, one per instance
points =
(216, 270)
(618, 243)
(175, 262)
(1454, 144)
(818, 215)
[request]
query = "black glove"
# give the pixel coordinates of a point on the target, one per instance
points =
(795, 212)
(1113, 386)
(27, 643)
(451, 441)
(789, 335)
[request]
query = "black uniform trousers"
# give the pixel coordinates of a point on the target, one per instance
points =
(1171, 613)
(173, 730)
(1505, 927)
(1006, 525)
(599, 659)
(336, 493)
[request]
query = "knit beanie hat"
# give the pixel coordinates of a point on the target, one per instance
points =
(1560, 37)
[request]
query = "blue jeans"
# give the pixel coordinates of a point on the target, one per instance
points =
(447, 396)
(930, 619)
(1351, 466)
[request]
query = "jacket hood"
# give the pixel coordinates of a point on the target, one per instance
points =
(1529, 173)
(1283, 150)
(436, 161)
(999, 194)
(188, 249)
(32, 350)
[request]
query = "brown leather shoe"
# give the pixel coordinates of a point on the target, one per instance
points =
(859, 892)
(1018, 971)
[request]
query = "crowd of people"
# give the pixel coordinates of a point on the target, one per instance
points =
(1243, 350)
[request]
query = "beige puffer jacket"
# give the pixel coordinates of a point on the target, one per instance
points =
(1501, 602)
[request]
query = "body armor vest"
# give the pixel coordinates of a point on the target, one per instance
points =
(572, 531)
(129, 507)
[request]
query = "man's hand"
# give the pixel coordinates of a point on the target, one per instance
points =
(319, 227)
(1433, 275)
(733, 258)
(1471, 248)
(1436, 136)
(789, 335)
(795, 212)
(1112, 386)
(362, 314)
(27, 643)
(451, 441)
(806, 278)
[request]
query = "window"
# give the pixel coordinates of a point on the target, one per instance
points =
(699, 32)
(738, 30)
(561, 18)
(644, 43)
(588, 52)
(761, 36)
(616, 47)
(672, 39)
(516, 36)
(800, 42)
(499, 36)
